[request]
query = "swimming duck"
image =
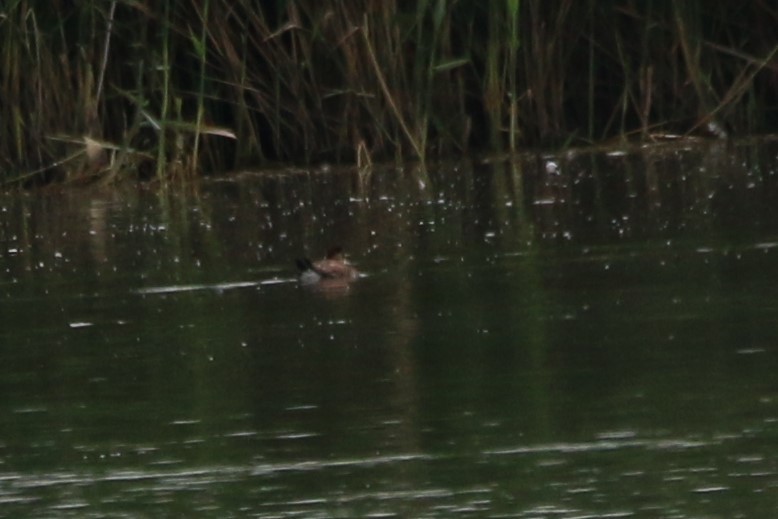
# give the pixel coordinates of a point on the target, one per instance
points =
(334, 267)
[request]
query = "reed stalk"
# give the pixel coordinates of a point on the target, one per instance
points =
(200, 47)
(160, 124)
(415, 142)
(514, 11)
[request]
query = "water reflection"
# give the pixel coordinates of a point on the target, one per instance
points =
(578, 335)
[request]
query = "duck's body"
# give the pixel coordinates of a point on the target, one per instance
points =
(333, 268)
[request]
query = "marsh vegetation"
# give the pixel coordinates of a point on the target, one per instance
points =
(99, 89)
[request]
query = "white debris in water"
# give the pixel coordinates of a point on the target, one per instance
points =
(217, 286)
(296, 436)
(27, 410)
(276, 281)
(80, 324)
(750, 351)
(707, 490)
(185, 422)
(302, 407)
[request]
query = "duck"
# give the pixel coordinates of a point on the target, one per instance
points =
(334, 268)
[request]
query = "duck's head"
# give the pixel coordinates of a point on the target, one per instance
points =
(336, 253)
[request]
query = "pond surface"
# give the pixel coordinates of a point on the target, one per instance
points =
(573, 336)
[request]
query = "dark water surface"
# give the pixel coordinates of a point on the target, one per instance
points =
(587, 335)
